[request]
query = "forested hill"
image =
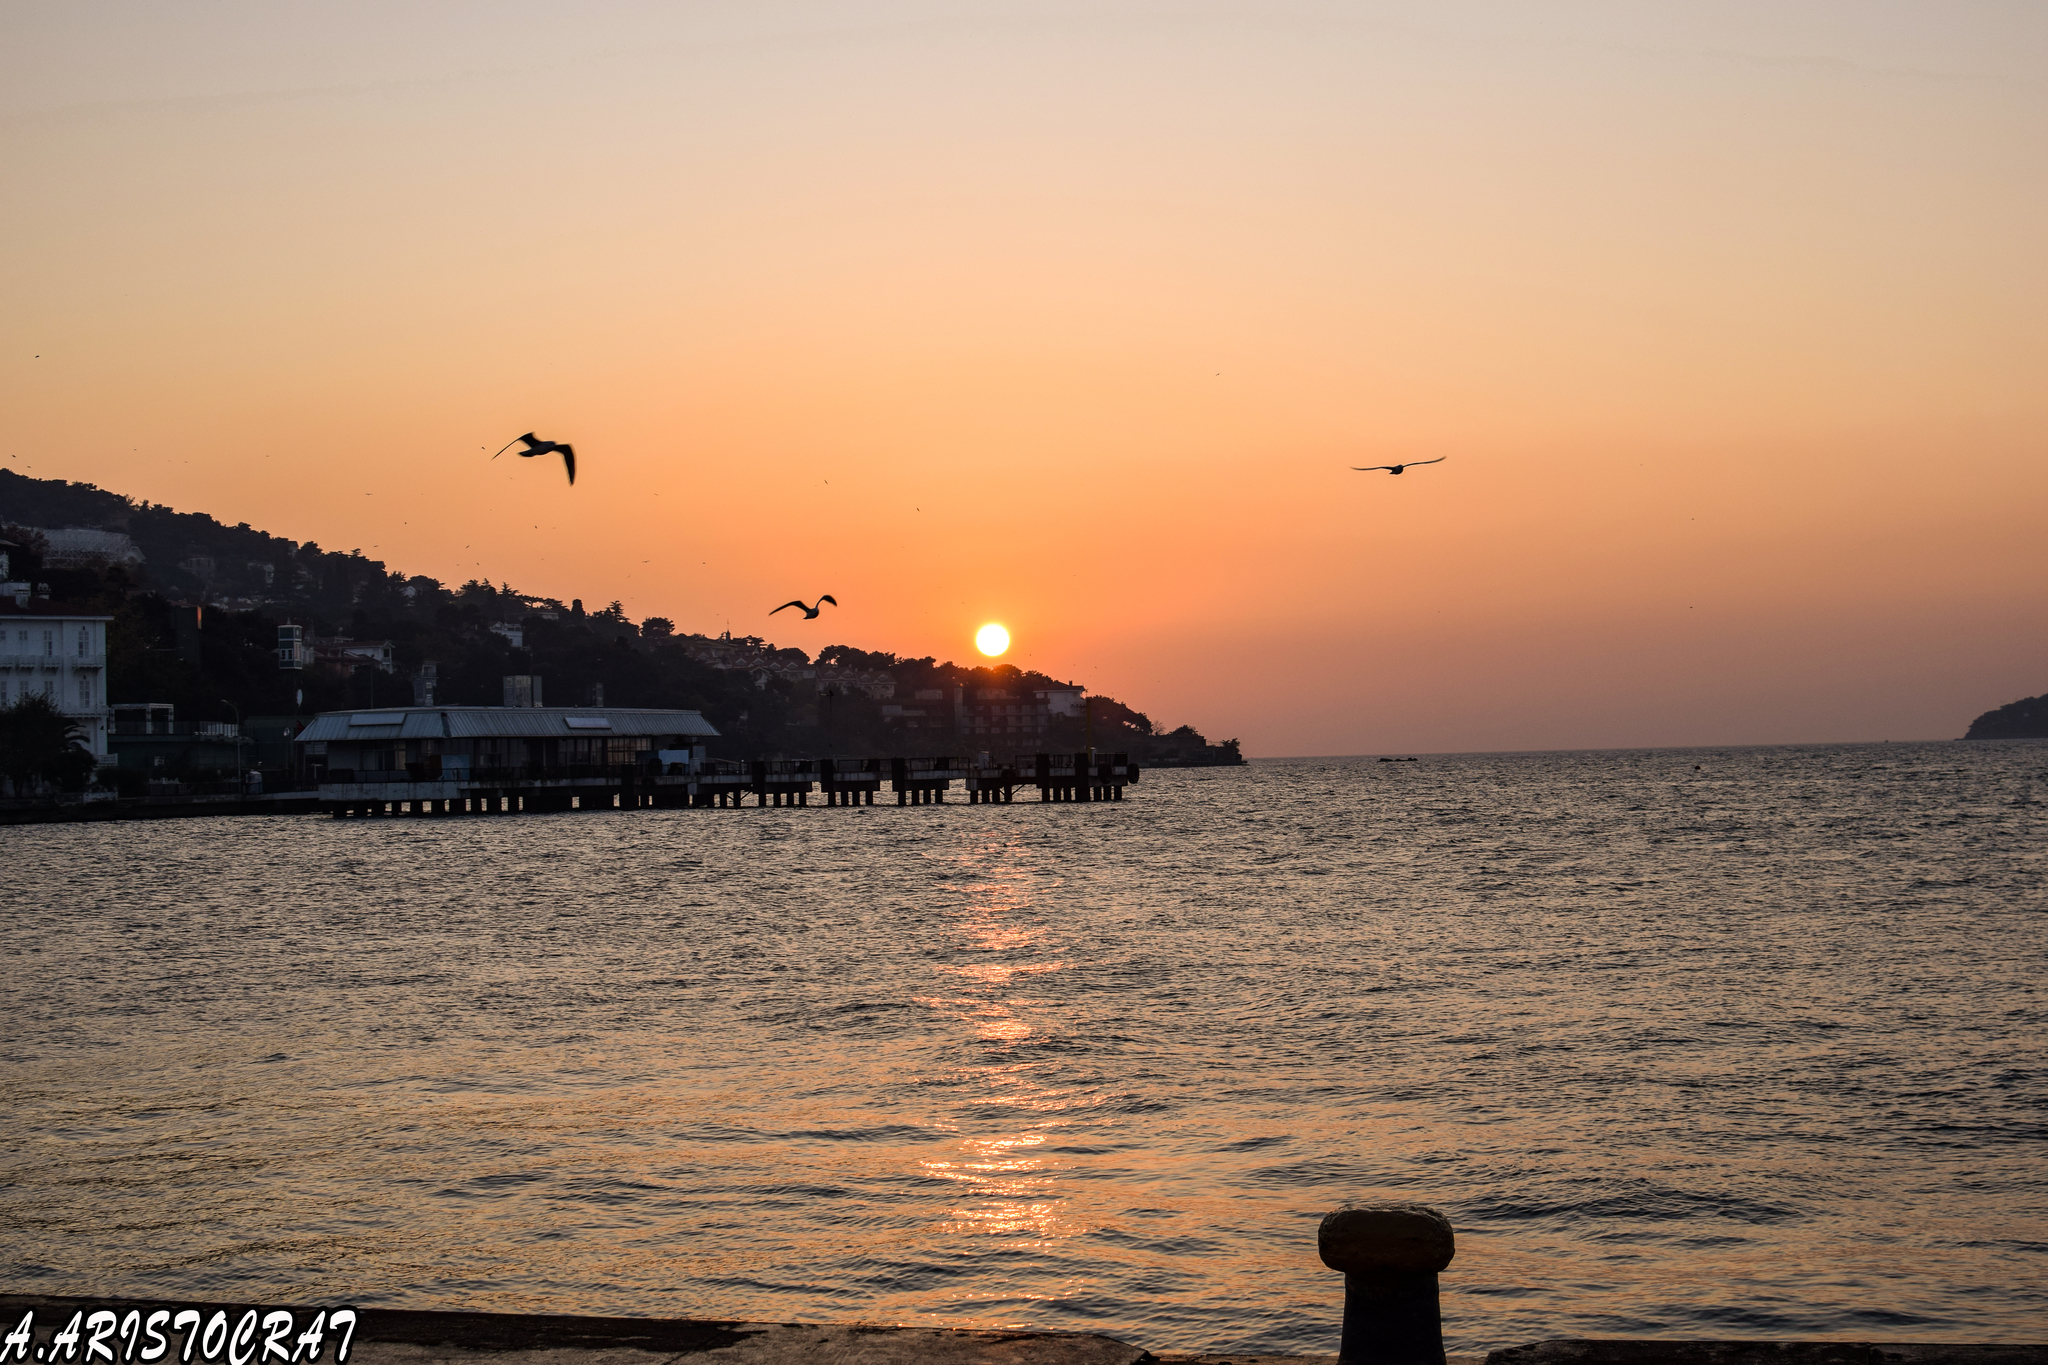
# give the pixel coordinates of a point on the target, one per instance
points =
(197, 606)
(2026, 718)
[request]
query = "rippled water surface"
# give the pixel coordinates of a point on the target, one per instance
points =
(1752, 1047)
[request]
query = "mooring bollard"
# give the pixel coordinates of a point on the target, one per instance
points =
(1390, 1254)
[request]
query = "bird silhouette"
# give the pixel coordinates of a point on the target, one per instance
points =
(810, 613)
(1396, 468)
(536, 446)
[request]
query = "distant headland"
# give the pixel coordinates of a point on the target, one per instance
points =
(2026, 718)
(201, 615)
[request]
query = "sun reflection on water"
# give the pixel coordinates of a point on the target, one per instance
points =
(998, 973)
(1014, 1185)
(1007, 1182)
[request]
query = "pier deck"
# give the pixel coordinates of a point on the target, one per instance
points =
(720, 783)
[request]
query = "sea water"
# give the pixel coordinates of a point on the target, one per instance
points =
(1739, 1042)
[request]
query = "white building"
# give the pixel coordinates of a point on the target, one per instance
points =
(349, 655)
(74, 547)
(60, 654)
(1059, 701)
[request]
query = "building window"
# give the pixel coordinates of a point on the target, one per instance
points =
(85, 692)
(49, 644)
(83, 636)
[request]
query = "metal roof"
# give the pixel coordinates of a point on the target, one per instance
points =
(502, 722)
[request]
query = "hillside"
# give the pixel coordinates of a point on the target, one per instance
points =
(2026, 718)
(196, 607)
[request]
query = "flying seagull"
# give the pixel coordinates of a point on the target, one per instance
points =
(536, 446)
(810, 613)
(1396, 468)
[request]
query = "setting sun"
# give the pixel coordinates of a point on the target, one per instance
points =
(991, 639)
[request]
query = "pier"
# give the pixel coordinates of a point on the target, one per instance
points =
(708, 784)
(505, 760)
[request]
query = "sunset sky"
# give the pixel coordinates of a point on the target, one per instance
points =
(1731, 319)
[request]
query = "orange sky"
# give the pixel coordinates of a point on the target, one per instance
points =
(1071, 316)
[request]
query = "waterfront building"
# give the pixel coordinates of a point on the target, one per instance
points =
(271, 741)
(147, 737)
(60, 654)
(448, 753)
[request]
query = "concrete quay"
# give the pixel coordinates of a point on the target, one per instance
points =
(395, 1336)
(49, 812)
(1388, 1253)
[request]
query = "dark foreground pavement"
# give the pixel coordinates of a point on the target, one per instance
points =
(396, 1336)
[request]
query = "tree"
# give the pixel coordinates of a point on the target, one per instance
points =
(23, 547)
(846, 656)
(39, 743)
